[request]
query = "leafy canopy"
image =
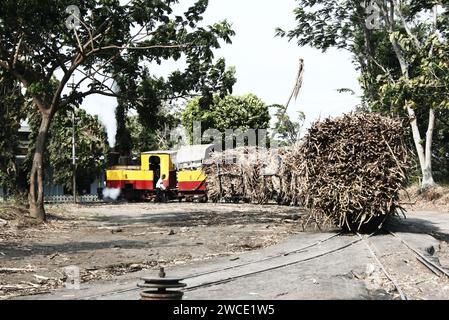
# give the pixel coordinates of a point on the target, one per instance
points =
(403, 64)
(12, 112)
(231, 112)
(110, 48)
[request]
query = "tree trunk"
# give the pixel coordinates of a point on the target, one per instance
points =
(424, 155)
(428, 181)
(36, 196)
(5, 193)
(417, 137)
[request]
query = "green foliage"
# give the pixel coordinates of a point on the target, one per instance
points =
(91, 147)
(143, 139)
(12, 111)
(386, 88)
(342, 24)
(37, 32)
(320, 23)
(231, 112)
(288, 131)
(123, 142)
(428, 82)
(149, 129)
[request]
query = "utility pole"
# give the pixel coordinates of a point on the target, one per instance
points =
(74, 154)
(72, 86)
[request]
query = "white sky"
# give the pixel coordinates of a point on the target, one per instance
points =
(267, 66)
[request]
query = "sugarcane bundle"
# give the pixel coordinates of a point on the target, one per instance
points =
(291, 184)
(244, 173)
(223, 179)
(351, 170)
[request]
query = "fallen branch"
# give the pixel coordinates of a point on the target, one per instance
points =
(16, 270)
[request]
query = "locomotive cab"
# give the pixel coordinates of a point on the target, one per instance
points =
(160, 163)
(139, 182)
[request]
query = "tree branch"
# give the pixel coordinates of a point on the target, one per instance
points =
(405, 25)
(81, 95)
(16, 55)
(37, 100)
(115, 47)
(60, 63)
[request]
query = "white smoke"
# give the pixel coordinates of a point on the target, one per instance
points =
(111, 194)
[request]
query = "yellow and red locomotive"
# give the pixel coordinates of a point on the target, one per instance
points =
(184, 178)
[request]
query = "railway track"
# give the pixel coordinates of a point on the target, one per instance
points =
(276, 267)
(430, 266)
(254, 262)
(427, 263)
(296, 251)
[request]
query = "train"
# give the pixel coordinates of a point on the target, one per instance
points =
(184, 178)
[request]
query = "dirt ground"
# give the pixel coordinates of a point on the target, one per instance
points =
(108, 240)
(111, 241)
(308, 265)
(436, 199)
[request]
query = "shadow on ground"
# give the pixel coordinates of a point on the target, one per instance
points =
(193, 219)
(12, 251)
(417, 226)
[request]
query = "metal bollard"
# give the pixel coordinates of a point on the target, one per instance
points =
(159, 288)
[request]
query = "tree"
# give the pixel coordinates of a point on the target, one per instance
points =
(288, 131)
(99, 40)
(398, 60)
(123, 140)
(231, 112)
(91, 147)
(143, 139)
(154, 94)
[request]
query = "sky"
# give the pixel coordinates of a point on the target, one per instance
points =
(266, 65)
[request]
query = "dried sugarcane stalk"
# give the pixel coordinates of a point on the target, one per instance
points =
(243, 177)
